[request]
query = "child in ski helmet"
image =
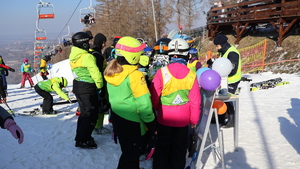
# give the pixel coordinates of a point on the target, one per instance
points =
(160, 58)
(43, 88)
(87, 82)
(130, 100)
(3, 88)
(44, 67)
(176, 98)
(25, 70)
(193, 62)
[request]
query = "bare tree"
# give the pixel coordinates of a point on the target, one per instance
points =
(131, 18)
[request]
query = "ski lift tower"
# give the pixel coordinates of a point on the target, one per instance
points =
(45, 10)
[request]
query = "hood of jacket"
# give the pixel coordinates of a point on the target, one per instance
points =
(118, 78)
(98, 41)
(76, 53)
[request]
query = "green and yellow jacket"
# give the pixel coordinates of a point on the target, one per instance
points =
(129, 96)
(52, 85)
(84, 67)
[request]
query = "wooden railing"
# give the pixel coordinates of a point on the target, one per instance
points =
(255, 11)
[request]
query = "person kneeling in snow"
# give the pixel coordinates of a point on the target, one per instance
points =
(7, 122)
(43, 88)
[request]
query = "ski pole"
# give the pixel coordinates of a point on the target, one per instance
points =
(10, 110)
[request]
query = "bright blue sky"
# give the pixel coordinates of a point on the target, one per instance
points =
(18, 18)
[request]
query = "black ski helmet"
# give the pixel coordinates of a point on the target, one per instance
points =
(161, 46)
(81, 40)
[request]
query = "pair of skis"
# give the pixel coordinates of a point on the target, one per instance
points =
(271, 83)
(37, 111)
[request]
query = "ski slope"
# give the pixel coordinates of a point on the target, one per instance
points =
(268, 131)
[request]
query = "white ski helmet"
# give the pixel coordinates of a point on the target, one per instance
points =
(178, 46)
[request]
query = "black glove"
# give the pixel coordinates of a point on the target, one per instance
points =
(6, 72)
(11, 69)
(114, 137)
(193, 143)
(151, 146)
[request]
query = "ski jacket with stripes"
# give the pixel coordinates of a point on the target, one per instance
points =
(182, 105)
(84, 67)
(53, 85)
(129, 96)
(25, 68)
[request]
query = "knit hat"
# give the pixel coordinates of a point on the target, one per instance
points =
(98, 40)
(220, 39)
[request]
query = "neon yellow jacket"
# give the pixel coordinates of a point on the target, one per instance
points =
(84, 67)
(52, 85)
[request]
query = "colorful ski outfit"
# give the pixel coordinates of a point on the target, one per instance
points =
(87, 81)
(25, 70)
(2, 87)
(4, 73)
(176, 98)
(44, 66)
(43, 88)
(131, 112)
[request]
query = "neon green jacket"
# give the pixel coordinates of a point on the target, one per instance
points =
(52, 85)
(84, 67)
(129, 96)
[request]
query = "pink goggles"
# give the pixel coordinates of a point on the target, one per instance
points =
(131, 49)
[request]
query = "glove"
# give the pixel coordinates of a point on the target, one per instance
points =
(151, 146)
(11, 69)
(6, 72)
(193, 143)
(14, 129)
(114, 137)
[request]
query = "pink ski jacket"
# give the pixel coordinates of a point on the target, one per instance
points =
(176, 115)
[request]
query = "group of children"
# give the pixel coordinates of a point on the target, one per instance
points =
(153, 95)
(160, 106)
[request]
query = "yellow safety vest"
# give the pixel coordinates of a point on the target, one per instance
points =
(238, 75)
(175, 91)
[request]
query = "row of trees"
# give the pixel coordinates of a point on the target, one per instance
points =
(135, 17)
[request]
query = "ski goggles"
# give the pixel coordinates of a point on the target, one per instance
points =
(131, 49)
(161, 48)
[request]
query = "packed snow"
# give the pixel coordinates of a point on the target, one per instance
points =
(269, 131)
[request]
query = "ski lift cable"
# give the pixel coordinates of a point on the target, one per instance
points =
(68, 21)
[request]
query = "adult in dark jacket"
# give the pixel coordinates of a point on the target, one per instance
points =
(230, 52)
(7, 122)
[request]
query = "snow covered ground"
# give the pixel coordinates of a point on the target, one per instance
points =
(269, 131)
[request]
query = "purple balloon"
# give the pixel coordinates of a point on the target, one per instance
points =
(210, 80)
